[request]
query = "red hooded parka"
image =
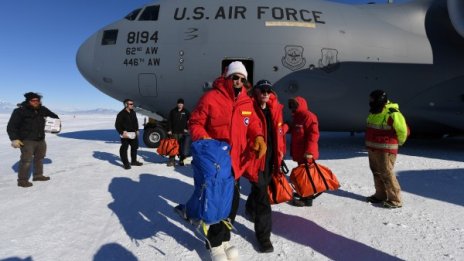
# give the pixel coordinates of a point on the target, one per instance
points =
(221, 116)
(305, 132)
(279, 129)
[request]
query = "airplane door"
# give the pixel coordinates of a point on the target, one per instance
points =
(148, 86)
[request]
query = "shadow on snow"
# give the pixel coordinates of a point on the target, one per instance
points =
(114, 252)
(329, 244)
(108, 136)
(15, 166)
(143, 210)
(17, 259)
(440, 184)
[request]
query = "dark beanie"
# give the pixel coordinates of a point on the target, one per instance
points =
(379, 97)
(180, 100)
(32, 95)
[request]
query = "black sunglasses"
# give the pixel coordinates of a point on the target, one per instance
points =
(264, 88)
(236, 78)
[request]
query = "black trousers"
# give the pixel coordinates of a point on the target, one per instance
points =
(179, 137)
(219, 232)
(125, 143)
(259, 207)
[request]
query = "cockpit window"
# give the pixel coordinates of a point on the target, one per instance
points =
(150, 13)
(109, 37)
(133, 14)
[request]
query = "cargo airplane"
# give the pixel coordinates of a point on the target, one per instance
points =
(332, 54)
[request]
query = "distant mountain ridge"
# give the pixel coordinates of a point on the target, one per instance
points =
(93, 111)
(6, 107)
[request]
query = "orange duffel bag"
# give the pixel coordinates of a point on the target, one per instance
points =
(279, 190)
(168, 147)
(313, 179)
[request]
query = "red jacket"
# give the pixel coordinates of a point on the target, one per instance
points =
(219, 116)
(305, 132)
(279, 129)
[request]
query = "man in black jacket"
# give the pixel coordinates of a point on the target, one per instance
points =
(177, 128)
(128, 127)
(26, 130)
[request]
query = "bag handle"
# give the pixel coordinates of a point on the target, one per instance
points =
(310, 178)
(285, 187)
(283, 167)
(320, 174)
(273, 187)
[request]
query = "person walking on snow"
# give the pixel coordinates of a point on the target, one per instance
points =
(304, 131)
(386, 130)
(226, 113)
(258, 207)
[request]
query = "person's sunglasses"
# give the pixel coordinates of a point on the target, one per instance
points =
(130, 104)
(268, 91)
(236, 78)
(35, 100)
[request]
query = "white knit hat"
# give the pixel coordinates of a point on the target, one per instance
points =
(236, 67)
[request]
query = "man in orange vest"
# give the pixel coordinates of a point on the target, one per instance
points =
(386, 130)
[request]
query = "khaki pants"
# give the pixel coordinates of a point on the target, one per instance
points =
(386, 184)
(32, 151)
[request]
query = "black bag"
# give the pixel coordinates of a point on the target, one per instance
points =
(185, 143)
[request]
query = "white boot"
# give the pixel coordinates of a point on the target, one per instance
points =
(231, 251)
(218, 254)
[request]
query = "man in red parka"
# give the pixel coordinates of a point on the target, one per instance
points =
(304, 130)
(226, 113)
(258, 207)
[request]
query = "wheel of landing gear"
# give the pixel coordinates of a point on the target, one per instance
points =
(153, 136)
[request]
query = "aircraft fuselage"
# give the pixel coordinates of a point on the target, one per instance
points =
(332, 54)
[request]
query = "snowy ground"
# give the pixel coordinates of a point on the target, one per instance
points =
(93, 209)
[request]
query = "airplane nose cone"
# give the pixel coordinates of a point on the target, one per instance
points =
(85, 58)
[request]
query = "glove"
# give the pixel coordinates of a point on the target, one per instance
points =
(17, 144)
(169, 132)
(309, 157)
(260, 147)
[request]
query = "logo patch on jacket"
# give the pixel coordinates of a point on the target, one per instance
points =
(246, 113)
(246, 121)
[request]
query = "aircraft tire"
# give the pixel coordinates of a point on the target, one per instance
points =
(153, 136)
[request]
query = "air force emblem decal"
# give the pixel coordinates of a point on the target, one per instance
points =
(293, 58)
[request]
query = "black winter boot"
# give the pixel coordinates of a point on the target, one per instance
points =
(24, 183)
(40, 178)
(266, 246)
(171, 162)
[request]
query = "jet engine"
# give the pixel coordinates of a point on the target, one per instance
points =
(456, 14)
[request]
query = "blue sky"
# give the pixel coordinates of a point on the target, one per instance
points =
(39, 41)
